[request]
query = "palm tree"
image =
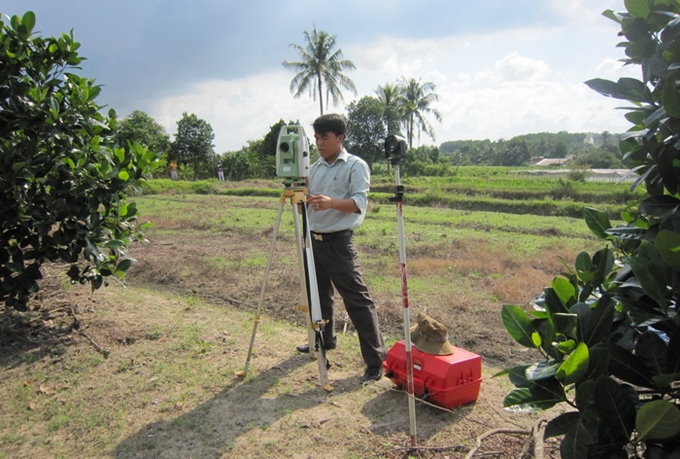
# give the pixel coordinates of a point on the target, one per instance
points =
(393, 102)
(321, 64)
(418, 98)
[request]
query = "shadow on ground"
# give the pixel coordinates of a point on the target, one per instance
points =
(212, 428)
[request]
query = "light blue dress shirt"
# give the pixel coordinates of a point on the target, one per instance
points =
(348, 177)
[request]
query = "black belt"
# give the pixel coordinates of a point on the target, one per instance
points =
(331, 236)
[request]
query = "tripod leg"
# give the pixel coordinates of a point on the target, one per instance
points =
(311, 336)
(315, 305)
(243, 373)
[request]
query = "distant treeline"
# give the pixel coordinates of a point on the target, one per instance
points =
(589, 149)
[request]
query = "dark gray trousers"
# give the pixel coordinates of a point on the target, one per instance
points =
(337, 266)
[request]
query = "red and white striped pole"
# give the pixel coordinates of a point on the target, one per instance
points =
(395, 149)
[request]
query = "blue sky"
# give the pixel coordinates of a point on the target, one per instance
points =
(501, 67)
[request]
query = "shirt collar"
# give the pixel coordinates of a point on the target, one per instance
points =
(343, 155)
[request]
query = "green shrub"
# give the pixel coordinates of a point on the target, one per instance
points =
(62, 183)
(608, 329)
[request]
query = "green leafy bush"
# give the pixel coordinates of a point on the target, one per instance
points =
(608, 329)
(62, 186)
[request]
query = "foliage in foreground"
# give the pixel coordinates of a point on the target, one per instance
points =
(608, 329)
(62, 186)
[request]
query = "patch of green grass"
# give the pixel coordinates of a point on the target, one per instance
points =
(58, 421)
(193, 341)
(155, 332)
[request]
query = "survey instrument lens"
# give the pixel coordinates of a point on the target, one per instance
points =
(395, 149)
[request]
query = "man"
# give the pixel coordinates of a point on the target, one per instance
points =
(338, 188)
(173, 171)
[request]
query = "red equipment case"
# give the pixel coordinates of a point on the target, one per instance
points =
(445, 380)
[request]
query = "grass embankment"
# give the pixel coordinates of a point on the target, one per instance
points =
(495, 190)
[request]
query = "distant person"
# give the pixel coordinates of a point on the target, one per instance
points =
(338, 189)
(173, 171)
(220, 173)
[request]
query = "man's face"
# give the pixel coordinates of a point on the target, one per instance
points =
(329, 145)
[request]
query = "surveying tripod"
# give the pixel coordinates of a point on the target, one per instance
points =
(296, 194)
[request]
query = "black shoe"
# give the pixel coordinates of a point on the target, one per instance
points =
(371, 374)
(304, 348)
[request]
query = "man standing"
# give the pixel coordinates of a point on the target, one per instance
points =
(173, 171)
(338, 189)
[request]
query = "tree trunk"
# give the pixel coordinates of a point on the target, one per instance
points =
(320, 94)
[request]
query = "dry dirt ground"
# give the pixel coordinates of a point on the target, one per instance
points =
(279, 410)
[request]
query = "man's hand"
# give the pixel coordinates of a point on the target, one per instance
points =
(321, 202)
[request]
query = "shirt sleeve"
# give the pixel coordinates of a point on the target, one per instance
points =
(360, 183)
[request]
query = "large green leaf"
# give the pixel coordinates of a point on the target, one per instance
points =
(518, 325)
(657, 420)
(554, 304)
(584, 266)
(522, 400)
(613, 15)
(565, 290)
(651, 350)
(659, 206)
(638, 8)
(615, 407)
(565, 324)
(542, 370)
(599, 362)
(576, 365)
(668, 245)
(648, 274)
(585, 396)
(562, 424)
(672, 29)
(603, 261)
(575, 443)
(668, 172)
(625, 88)
(594, 323)
(28, 21)
(518, 376)
(538, 397)
(566, 347)
(547, 335)
(642, 311)
(631, 233)
(597, 221)
(671, 98)
(629, 367)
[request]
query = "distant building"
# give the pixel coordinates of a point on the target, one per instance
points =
(590, 139)
(547, 162)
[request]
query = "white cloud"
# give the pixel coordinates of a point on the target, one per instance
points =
(585, 11)
(238, 110)
(614, 68)
(391, 58)
(514, 67)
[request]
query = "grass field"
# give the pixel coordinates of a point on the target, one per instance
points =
(148, 371)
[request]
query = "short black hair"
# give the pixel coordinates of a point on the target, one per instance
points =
(330, 122)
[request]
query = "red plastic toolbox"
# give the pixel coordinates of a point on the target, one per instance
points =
(446, 380)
